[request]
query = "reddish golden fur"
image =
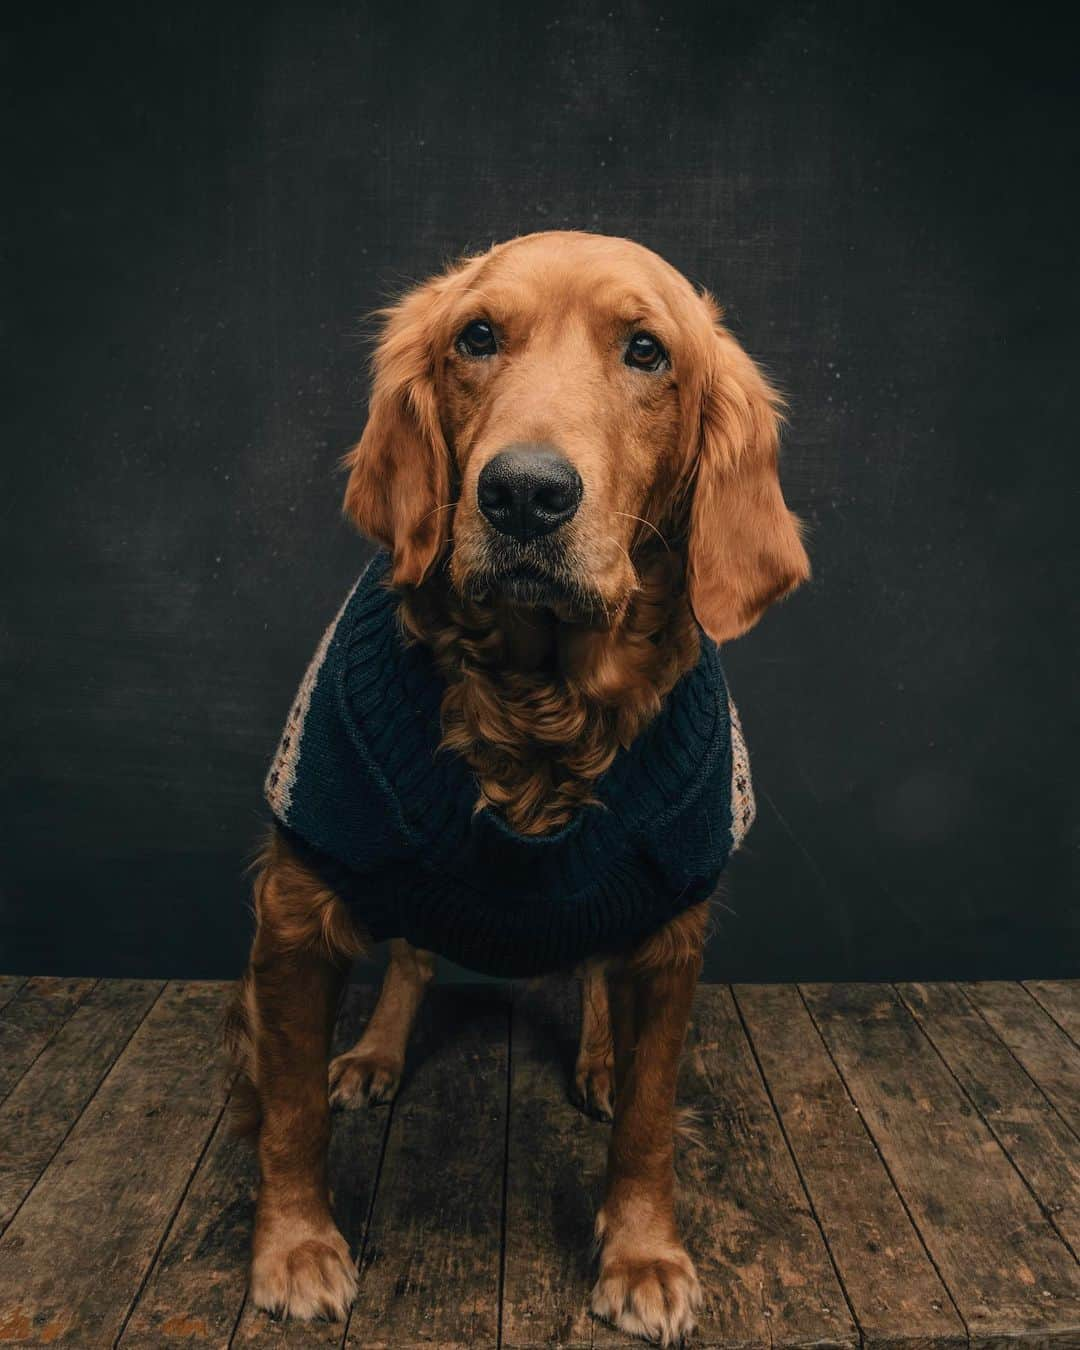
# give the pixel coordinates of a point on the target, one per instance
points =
(306, 919)
(539, 735)
(681, 517)
(682, 502)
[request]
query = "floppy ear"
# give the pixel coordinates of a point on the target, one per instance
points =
(745, 549)
(399, 481)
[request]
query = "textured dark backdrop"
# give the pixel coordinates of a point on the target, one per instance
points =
(204, 202)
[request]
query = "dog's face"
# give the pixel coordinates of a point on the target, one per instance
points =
(541, 411)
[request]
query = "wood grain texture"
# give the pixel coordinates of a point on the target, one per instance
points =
(74, 1258)
(357, 1141)
(1040, 1045)
(49, 1097)
(33, 1015)
(138, 1225)
(895, 1293)
(554, 1178)
(745, 1216)
(429, 1273)
(196, 1288)
(1041, 1146)
(1061, 999)
(9, 987)
(1008, 1271)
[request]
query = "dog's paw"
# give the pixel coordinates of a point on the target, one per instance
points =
(363, 1078)
(654, 1297)
(594, 1088)
(303, 1273)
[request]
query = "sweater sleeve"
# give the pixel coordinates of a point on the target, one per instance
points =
(320, 785)
(695, 842)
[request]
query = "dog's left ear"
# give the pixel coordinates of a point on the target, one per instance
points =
(399, 475)
(745, 549)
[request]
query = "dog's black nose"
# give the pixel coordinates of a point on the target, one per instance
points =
(528, 490)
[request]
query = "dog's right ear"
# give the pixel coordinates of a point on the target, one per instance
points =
(399, 475)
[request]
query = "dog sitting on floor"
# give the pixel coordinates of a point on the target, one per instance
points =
(515, 746)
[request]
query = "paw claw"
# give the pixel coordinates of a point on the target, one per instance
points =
(306, 1277)
(361, 1078)
(655, 1298)
(594, 1089)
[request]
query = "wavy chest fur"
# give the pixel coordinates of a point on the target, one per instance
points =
(538, 707)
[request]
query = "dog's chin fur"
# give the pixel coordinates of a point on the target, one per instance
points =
(539, 709)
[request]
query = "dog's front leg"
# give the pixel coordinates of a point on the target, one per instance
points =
(301, 1265)
(647, 1283)
(371, 1071)
(594, 1082)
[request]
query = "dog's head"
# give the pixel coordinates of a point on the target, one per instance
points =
(540, 411)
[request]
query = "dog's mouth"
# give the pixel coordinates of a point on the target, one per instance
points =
(538, 583)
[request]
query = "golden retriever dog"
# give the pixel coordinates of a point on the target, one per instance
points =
(630, 512)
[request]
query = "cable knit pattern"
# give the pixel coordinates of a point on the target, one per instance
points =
(388, 819)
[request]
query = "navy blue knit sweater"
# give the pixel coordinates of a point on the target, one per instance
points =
(361, 789)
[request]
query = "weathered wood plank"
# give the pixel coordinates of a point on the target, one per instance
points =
(1037, 1042)
(742, 1211)
(197, 1285)
(9, 987)
(48, 1098)
(78, 1249)
(1040, 1144)
(895, 1292)
(429, 1273)
(1008, 1272)
(31, 1018)
(73, 1258)
(555, 1169)
(196, 1290)
(745, 1217)
(356, 1147)
(1061, 999)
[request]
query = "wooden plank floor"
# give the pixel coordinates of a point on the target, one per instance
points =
(877, 1165)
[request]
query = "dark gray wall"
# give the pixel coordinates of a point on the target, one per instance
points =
(205, 201)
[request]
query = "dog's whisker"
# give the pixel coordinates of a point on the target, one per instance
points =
(648, 523)
(612, 540)
(446, 506)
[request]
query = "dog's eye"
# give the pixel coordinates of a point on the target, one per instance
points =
(644, 352)
(477, 339)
